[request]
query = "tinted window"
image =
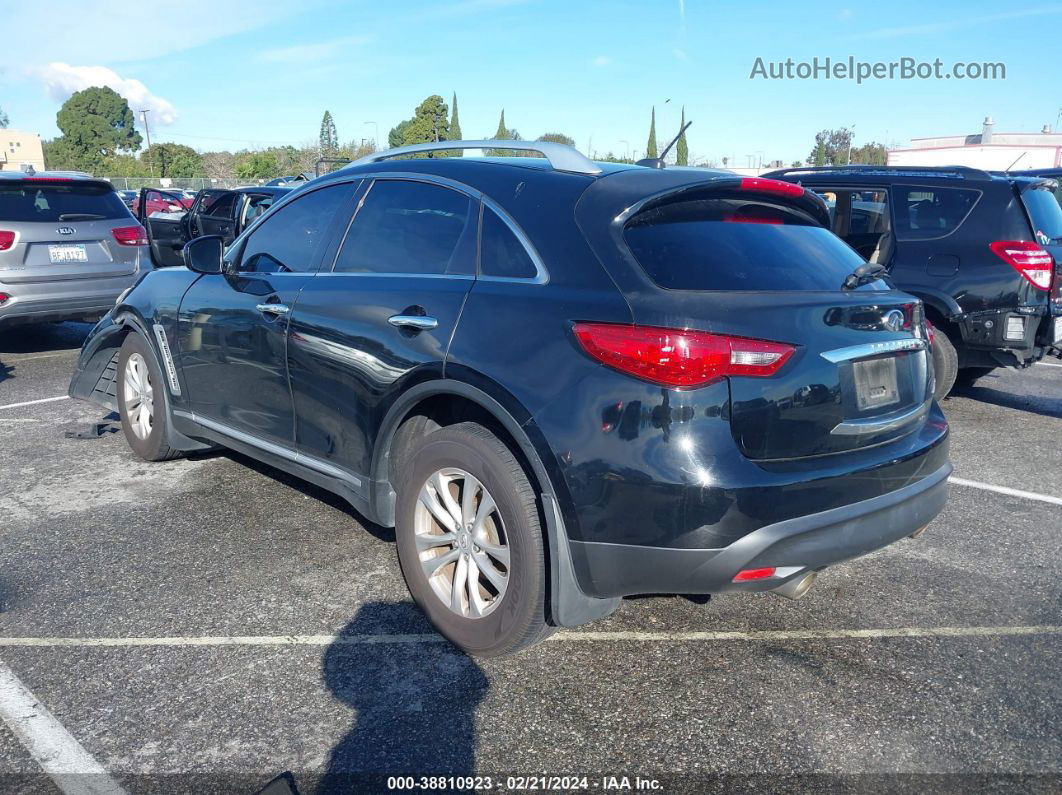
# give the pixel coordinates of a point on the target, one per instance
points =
(501, 252)
(291, 239)
(410, 227)
(1045, 214)
(50, 203)
(732, 244)
(256, 206)
(219, 206)
(925, 213)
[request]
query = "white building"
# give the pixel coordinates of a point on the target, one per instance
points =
(19, 150)
(992, 151)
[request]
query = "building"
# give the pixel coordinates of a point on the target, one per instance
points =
(992, 151)
(20, 150)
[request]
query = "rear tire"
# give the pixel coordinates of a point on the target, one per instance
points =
(945, 364)
(142, 400)
(463, 496)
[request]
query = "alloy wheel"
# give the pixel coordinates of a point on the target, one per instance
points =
(139, 396)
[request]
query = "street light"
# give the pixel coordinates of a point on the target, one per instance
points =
(376, 135)
(851, 135)
(627, 149)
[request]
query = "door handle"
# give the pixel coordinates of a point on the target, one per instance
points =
(419, 322)
(273, 309)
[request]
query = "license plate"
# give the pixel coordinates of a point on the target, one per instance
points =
(70, 253)
(875, 381)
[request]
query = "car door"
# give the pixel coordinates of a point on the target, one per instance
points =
(381, 316)
(163, 216)
(216, 215)
(232, 334)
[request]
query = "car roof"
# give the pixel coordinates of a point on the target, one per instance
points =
(275, 190)
(911, 174)
(72, 175)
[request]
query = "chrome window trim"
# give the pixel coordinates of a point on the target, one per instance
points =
(873, 349)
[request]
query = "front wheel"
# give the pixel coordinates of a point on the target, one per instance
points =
(141, 401)
(469, 541)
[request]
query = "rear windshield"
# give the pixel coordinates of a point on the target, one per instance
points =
(52, 203)
(735, 244)
(1045, 213)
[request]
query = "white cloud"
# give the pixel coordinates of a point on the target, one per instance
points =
(307, 53)
(601, 60)
(680, 54)
(61, 80)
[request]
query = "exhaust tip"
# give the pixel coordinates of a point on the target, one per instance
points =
(796, 588)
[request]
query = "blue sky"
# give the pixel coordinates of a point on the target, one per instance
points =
(232, 74)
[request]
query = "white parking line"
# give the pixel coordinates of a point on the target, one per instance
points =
(566, 636)
(34, 402)
(1049, 364)
(62, 757)
(1026, 495)
(23, 357)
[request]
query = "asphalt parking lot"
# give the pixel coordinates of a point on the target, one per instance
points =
(207, 623)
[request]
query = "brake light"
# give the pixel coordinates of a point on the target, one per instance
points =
(7, 240)
(4, 298)
(762, 185)
(130, 235)
(931, 332)
(680, 358)
(1028, 259)
(754, 574)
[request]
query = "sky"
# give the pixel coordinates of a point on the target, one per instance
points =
(235, 74)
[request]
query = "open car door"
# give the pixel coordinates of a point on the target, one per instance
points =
(164, 217)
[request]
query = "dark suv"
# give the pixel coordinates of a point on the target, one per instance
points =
(562, 382)
(983, 251)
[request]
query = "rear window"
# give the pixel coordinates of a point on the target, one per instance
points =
(51, 203)
(735, 244)
(925, 213)
(1045, 214)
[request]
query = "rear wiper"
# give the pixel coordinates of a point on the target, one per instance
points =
(865, 273)
(81, 217)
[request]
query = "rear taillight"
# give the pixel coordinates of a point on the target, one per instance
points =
(130, 235)
(679, 358)
(776, 186)
(7, 240)
(4, 298)
(1028, 259)
(931, 332)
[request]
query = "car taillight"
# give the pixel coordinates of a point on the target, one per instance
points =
(130, 235)
(1028, 259)
(4, 298)
(931, 332)
(777, 186)
(7, 240)
(680, 358)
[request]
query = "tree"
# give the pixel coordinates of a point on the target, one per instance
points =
(429, 124)
(834, 147)
(871, 154)
(650, 148)
(682, 151)
(797, 163)
(256, 165)
(557, 138)
(172, 160)
(455, 127)
(329, 139)
(218, 165)
(4, 121)
(504, 133)
(96, 124)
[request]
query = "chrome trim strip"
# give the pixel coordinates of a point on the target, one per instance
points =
(560, 156)
(279, 451)
(273, 309)
(872, 349)
(167, 358)
(882, 424)
(422, 322)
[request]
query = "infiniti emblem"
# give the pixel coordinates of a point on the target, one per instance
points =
(65, 230)
(894, 320)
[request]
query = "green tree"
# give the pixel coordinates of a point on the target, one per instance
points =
(172, 160)
(256, 165)
(558, 138)
(833, 145)
(4, 121)
(455, 127)
(429, 124)
(96, 124)
(818, 157)
(682, 150)
(329, 139)
(650, 147)
(871, 154)
(504, 133)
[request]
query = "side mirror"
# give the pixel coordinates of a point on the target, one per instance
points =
(204, 254)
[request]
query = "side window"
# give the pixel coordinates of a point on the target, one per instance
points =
(289, 241)
(923, 213)
(411, 228)
(501, 252)
(857, 212)
(256, 206)
(219, 206)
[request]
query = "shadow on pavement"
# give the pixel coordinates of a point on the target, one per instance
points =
(984, 392)
(415, 703)
(43, 337)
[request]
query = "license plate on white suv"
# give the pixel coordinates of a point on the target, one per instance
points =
(68, 253)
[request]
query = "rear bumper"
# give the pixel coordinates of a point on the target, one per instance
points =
(810, 542)
(1011, 337)
(43, 311)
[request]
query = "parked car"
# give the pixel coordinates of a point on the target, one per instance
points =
(68, 247)
(983, 251)
(128, 198)
(1050, 173)
(214, 211)
(561, 381)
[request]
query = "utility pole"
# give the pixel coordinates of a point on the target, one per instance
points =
(147, 132)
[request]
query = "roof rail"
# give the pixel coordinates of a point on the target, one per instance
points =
(963, 171)
(560, 156)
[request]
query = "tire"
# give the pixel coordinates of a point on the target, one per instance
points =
(967, 375)
(945, 364)
(504, 610)
(144, 422)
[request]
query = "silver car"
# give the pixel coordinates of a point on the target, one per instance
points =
(68, 247)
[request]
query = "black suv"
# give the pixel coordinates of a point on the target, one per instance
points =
(983, 251)
(562, 382)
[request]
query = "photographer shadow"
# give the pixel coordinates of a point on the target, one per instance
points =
(415, 702)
